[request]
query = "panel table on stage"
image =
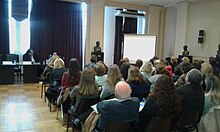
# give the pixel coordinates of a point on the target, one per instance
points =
(7, 72)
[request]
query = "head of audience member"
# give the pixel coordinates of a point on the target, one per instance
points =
(113, 76)
(157, 62)
(185, 68)
(126, 59)
(124, 70)
(122, 90)
(147, 67)
(160, 69)
(53, 58)
(185, 60)
(206, 69)
(174, 60)
(194, 76)
(139, 63)
(121, 61)
(134, 75)
(58, 63)
(197, 64)
(74, 69)
(93, 59)
(168, 101)
(88, 86)
(212, 61)
(99, 69)
(55, 53)
(153, 59)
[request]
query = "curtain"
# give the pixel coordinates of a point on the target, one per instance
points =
(56, 26)
(118, 39)
(4, 28)
(130, 25)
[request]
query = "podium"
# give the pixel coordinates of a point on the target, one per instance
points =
(100, 55)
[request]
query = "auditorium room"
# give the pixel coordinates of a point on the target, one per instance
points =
(109, 65)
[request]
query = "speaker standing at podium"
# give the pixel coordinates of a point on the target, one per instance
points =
(97, 49)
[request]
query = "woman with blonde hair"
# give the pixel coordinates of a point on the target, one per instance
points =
(55, 80)
(48, 69)
(86, 89)
(113, 77)
(147, 69)
(208, 76)
(140, 87)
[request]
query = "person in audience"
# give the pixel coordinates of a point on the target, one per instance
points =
(31, 56)
(87, 87)
(55, 79)
(48, 69)
(92, 62)
(113, 77)
(138, 63)
(185, 68)
(160, 70)
(147, 70)
(121, 61)
(212, 97)
(192, 94)
(126, 59)
(208, 76)
(177, 71)
(153, 59)
(122, 109)
(215, 68)
(124, 70)
(140, 87)
(173, 63)
(57, 72)
(164, 101)
(185, 51)
(167, 67)
(72, 77)
(100, 77)
(197, 64)
(218, 56)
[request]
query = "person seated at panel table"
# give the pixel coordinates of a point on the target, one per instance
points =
(31, 56)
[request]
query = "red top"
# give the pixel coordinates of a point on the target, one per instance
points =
(169, 69)
(66, 82)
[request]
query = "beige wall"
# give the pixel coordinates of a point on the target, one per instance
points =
(192, 17)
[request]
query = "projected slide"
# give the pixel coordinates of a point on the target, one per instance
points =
(139, 47)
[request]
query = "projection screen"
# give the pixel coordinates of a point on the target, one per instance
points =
(139, 47)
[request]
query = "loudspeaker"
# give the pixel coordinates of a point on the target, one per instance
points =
(201, 32)
(200, 39)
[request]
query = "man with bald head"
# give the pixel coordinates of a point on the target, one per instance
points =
(123, 108)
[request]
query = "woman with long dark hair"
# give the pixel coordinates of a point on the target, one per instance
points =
(72, 77)
(162, 102)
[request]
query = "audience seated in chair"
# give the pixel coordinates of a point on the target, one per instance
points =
(147, 69)
(100, 71)
(162, 107)
(140, 87)
(123, 108)
(87, 89)
(113, 77)
(192, 101)
(55, 79)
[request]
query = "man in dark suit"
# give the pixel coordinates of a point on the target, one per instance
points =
(122, 108)
(31, 56)
(192, 94)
